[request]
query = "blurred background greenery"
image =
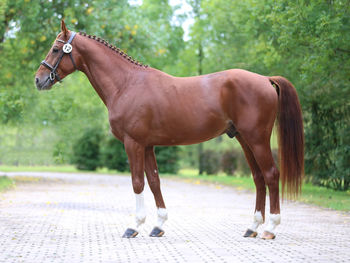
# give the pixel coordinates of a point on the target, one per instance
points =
(306, 41)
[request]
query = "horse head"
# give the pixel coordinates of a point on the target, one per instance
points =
(59, 62)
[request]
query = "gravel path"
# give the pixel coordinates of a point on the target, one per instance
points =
(55, 217)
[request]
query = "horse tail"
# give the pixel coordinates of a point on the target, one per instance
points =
(290, 136)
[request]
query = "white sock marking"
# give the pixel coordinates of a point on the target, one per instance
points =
(274, 221)
(258, 220)
(140, 210)
(162, 217)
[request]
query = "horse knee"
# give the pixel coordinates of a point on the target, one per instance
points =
(138, 186)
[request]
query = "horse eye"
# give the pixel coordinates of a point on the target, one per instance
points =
(55, 50)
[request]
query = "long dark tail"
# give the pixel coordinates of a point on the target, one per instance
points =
(290, 136)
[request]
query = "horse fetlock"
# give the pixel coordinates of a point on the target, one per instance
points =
(162, 216)
(274, 221)
(258, 220)
(140, 218)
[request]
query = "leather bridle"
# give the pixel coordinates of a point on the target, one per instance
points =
(67, 49)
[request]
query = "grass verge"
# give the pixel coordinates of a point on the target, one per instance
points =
(6, 183)
(311, 194)
(54, 169)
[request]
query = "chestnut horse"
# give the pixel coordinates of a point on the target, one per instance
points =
(147, 107)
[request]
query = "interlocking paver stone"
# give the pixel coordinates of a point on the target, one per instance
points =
(81, 218)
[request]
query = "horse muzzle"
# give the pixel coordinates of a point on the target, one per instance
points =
(43, 83)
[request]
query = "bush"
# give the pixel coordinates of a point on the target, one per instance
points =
(167, 159)
(229, 161)
(211, 162)
(275, 156)
(327, 137)
(234, 160)
(113, 155)
(86, 150)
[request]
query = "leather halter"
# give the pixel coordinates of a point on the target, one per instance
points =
(67, 49)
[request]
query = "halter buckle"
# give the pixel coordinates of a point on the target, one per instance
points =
(52, 76)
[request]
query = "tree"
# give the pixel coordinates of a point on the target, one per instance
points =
(27, 29)
(113, 155)
(305, 41)
(86, 150)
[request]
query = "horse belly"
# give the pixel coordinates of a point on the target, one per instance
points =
(189, 127)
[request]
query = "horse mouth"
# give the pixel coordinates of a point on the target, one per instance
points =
(43, 85)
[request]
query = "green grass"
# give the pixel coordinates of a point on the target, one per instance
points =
(240, 183)
(6, 183)
(58, 168)
(325, 197)
(311, 194)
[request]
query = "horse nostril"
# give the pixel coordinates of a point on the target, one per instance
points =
(36, 80)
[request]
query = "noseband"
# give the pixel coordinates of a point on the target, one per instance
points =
(67, 49)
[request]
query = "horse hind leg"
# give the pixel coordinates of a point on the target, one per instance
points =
(259, 213)
(263, 156)
(152, 175)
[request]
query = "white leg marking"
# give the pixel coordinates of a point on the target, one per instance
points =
(162, 217)
(258, 220)
(140, 210)
(274, 221)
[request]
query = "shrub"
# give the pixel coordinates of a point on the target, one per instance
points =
(167, 158)
(275, 155)
(242, 164)
(86, 150)
(211, 162)
(113, 155)
(327, 144)
(229, 161)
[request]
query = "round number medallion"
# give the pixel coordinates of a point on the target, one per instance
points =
(67, 48)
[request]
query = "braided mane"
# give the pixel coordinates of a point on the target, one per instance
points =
(117, 50)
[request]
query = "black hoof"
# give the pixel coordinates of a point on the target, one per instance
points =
(250, 233)
(156, 232)
(130, 233)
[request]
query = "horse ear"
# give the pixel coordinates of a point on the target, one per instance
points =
(64, 28)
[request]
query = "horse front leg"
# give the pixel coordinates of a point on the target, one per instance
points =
(136, 156)
(151, 170)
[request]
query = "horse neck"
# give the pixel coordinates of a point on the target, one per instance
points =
(107, 71)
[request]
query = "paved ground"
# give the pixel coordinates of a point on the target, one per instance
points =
(81, 218)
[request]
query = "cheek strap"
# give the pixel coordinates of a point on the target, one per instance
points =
(67, 49)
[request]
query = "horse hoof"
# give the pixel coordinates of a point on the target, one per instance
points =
(250, 233)
(130, 233)
(267, 235)
(156, 232)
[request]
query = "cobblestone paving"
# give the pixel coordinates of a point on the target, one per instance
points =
(81, 218)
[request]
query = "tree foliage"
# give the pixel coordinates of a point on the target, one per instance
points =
(306, 41)
(86, 150)
(113, 155)
(167, 159)
(27, 29)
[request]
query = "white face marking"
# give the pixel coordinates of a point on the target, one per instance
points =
(155, 171)
(274, 221)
